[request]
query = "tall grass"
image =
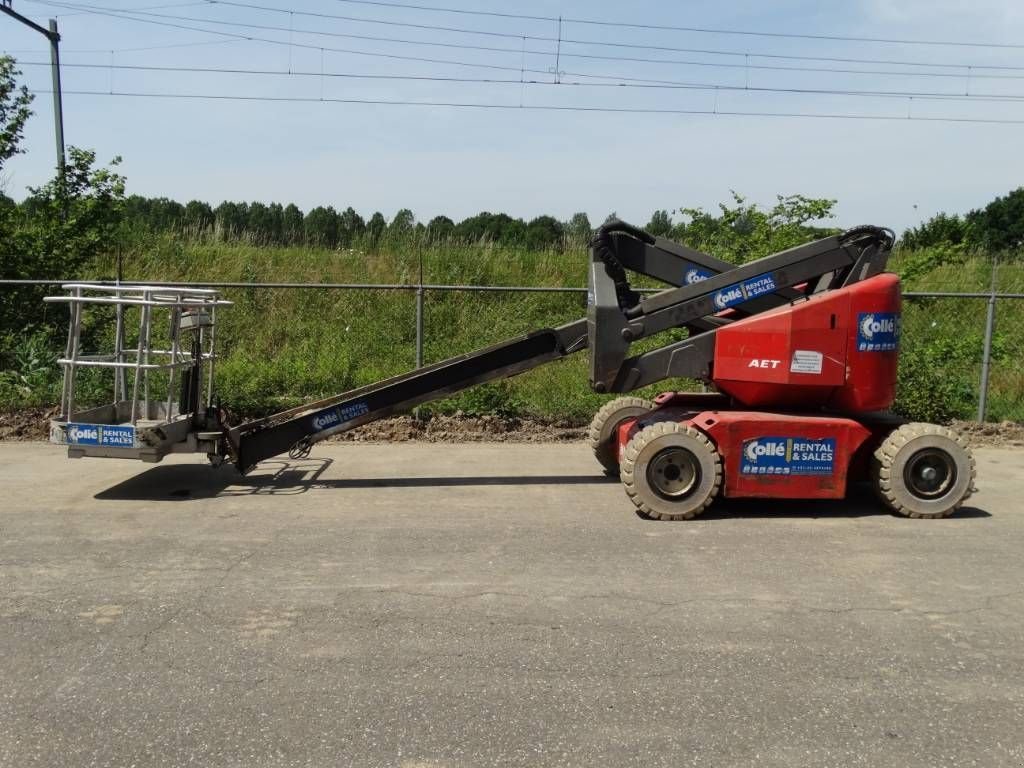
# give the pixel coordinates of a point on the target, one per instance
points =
(284, 346)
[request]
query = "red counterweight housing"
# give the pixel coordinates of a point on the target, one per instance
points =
(837, 350)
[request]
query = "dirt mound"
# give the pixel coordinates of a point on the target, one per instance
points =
(458, 428)
(1007, 434)
(26, 424)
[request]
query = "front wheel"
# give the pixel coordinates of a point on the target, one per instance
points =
(923, 470)
(671, 471)
(603, 431)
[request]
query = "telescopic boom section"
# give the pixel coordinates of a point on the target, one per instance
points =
(296, 430)
(707, 294)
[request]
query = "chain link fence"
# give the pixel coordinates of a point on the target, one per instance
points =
(286, 342)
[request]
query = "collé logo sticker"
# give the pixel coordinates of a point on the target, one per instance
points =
(788, 456)
(336, 416)
(83, 434)
(99, 434)
(748, 289)
(696, 275)
(878, 331)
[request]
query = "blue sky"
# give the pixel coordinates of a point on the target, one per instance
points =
(458, 162)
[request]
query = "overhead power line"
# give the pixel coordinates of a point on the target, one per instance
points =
(606, 43)
(545, 107)
(969, 72)
(670, 85)
(677, 28)
(130, 50)
(143, 8)
(961, 67)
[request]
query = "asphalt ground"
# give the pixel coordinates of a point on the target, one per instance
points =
(426, 606)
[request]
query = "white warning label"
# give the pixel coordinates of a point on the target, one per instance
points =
(805, 361)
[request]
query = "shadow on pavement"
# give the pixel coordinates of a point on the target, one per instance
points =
(181, 482)
(286, 477)
(289, 477)
(860, 502)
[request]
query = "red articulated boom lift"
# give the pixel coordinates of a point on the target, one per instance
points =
(800, 349)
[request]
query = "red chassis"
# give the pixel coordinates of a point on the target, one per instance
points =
(799, 412)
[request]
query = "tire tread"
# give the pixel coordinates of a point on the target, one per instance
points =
(643, 438)
(886, 453)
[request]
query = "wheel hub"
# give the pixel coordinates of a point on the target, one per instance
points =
(674, 473)
(929, 473)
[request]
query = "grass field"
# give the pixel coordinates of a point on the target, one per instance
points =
(283, 346)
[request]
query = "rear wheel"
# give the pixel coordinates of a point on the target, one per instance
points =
(603, 432)
(671, 471)
(923, 470)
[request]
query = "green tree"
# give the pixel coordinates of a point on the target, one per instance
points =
(232, 218)
(743, 232)
(59, 228)
(351, 226)
(376, 226)
(198, 215)
(321, 227)
(492, 227)
(440, 229)
(660, 224)
(275, 223)
(544, 232)
(260, 223)
(62, 227)
(403, 223)
(941, 229)
(14, 110)
(1000, 224)
(578, 227)
(291, 224)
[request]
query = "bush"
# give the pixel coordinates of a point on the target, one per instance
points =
(924, 394)
(32, 376)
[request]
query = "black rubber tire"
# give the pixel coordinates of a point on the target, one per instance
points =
(652, 441)
(890, 460)
(602, 431)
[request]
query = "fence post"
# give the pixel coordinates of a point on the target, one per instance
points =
(419, 308)
(419, 326)
(986, 358)
(986, 352)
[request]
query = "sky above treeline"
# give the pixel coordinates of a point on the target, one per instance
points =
(659, 105)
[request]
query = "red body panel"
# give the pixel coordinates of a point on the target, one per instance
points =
(772, 455)
(775, 455)
(837, 350)
(833, 352)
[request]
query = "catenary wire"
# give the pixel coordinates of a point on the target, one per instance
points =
(677, 28)
(543, 107)
(969, 72)
(638, 46)
(673, 85)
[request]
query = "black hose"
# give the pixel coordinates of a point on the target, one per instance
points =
(884, 236)
(604, 249)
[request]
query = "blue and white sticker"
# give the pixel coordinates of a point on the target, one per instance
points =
(737, 293)
(335, 416)
(878, 331)
(788, 456)
(100, 434)
(118, 437)
(695, 275)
